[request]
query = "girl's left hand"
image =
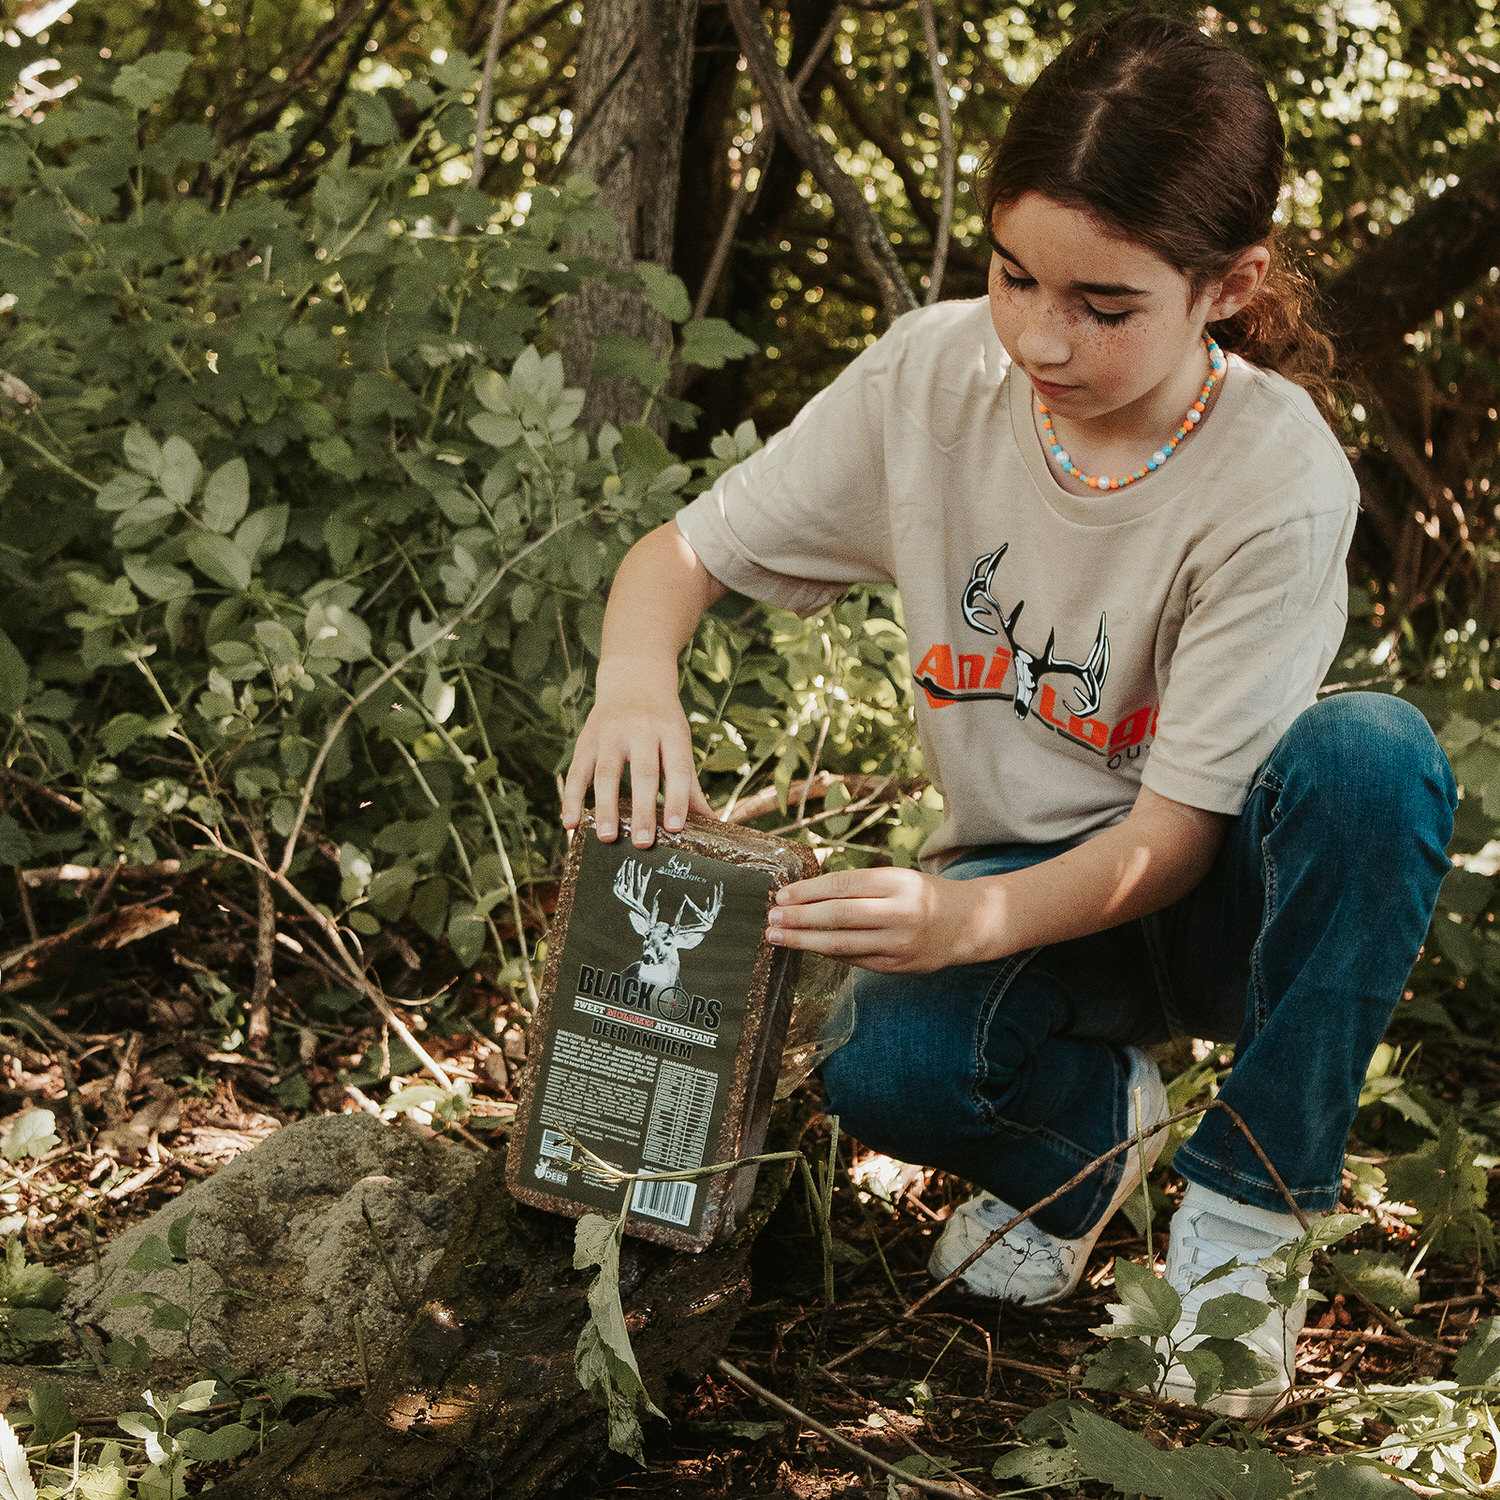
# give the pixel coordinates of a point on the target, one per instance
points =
(891, 920)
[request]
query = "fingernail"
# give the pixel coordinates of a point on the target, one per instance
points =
(606, 830)
(674, 825)
(642, 840)
(775, 918)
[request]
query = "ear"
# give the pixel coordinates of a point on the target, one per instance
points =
(690, 941)
(1240, 283)
(640, 922)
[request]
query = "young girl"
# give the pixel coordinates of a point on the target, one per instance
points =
(1118, 521)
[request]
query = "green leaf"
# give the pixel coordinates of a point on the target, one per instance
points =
(1112, 1455)
(374, 124)
(1447, 1187)
(177, 1234)
(141, 452)
(335, 634)
(621, 356)
(15, 677)
(150, 1255)
(157, 580)
(219, 559)
(1207, 1371)
(1478, 1362)
(141, 83)
(263, 531)
(1347, 1479)
(496, 430)
(466, 932)
(180, 470)
(1148, 1306)
(1381, 1276)
(122, 731)
(1230, 1316)
(1123, 1364)
(1040, 1464)
(604, 1359)
(52, 1419)
(124, 490)
(664, 291)
(711, 343)
(226, 496)
(31, 1135)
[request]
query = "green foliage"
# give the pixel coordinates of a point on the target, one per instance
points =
(33, 1134)
(605, 1361)
(1448, 1188)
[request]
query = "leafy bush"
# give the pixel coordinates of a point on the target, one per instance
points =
(306, 553)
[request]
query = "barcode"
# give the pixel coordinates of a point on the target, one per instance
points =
(555, 1143)
(671, 1201)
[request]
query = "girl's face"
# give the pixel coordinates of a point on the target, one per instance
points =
(1098, 324)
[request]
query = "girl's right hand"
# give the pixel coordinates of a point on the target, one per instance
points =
(636, 721)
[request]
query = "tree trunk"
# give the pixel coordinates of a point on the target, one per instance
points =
(479, 1396)
(629, 104)
(1422, 265)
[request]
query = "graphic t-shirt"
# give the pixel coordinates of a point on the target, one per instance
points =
(1067, 649)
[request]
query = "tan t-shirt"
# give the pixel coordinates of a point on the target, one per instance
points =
(1067, 649)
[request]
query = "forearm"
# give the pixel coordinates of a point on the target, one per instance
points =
(660, 593)
(1155, 857)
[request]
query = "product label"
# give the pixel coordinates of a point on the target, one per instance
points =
(645, 1024)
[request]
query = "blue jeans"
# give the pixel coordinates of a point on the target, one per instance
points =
(1296, 944)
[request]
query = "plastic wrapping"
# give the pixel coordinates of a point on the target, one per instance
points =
(822, 1019)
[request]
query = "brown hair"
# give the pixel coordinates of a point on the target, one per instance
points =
(1166, 136)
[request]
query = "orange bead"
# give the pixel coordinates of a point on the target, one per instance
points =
(1197, 406)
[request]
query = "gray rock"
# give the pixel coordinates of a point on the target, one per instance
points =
(282, 1252)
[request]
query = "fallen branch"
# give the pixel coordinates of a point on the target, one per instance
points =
(82, 874)
(756, 1389)
(869, 237)
(127, 924)
(860, 788)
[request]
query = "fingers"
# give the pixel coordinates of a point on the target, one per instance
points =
(580, 773)
(645, 780)
(607, 770)
(853, 915)
(682, 783)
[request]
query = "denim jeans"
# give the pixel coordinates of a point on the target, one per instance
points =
(1296, 945)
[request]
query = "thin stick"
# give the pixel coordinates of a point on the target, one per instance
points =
(905, 1437)
(945, 134)
(26, 911)
(486, 102)
(758, 161)
(258, 1024)
(871, 243)
(774, 1401)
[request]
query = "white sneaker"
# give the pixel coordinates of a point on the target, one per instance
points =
(1029, 1265)
(1208, 1231)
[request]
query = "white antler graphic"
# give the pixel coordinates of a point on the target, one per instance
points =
(978, 602)
(662, 942)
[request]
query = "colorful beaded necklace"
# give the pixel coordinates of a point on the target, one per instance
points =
(1193, 416)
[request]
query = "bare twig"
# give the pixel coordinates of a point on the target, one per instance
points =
(20, 779)
(79, 874)
(486, 101)
(757, 162)
(945, 133)
(322, 44)
(869, 237)
(859, 787)
(31, 928)
(771, 1399)
(258, 1023)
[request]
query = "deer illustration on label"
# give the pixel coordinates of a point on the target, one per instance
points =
(661, 942)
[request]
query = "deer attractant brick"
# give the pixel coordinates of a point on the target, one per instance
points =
(659, 1036)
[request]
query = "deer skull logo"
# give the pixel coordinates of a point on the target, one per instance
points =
(662, 942)
(978, 603)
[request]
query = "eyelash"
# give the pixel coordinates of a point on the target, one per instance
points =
(1108, 320)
